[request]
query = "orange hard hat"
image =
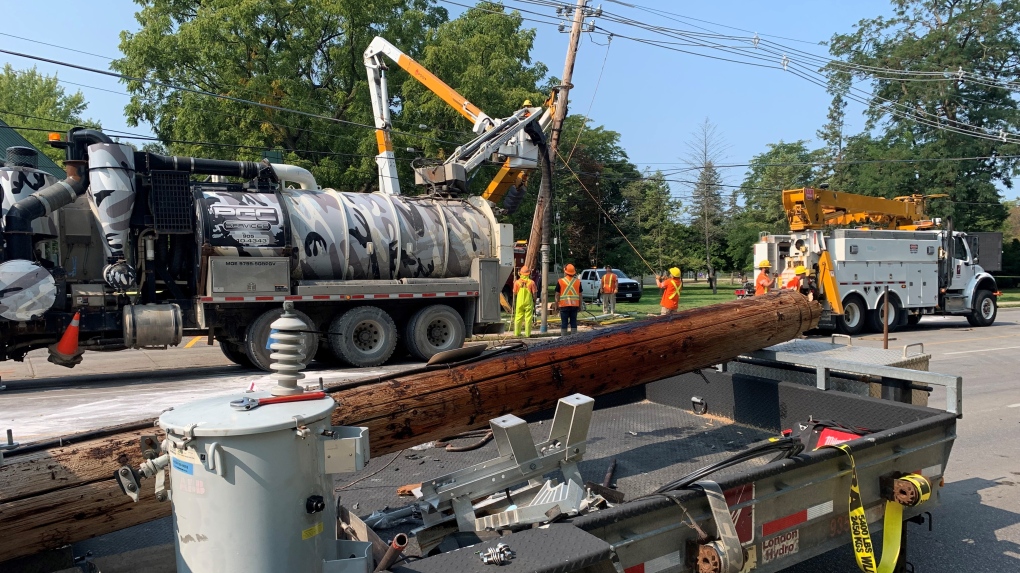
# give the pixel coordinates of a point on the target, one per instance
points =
(525, 271)
(569, 269)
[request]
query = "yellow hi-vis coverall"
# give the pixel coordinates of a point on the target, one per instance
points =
(524, 310)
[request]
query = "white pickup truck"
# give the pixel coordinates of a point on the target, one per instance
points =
(591, 286)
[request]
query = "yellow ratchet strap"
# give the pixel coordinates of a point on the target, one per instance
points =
(892, 527)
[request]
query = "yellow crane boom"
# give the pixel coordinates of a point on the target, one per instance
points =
(810, 208)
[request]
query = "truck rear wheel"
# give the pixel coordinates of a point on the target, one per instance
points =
(257, 338)
(235, 353)
(432, 330)
(985, 309)
(852, 320)
(875, 316)
(363, 336)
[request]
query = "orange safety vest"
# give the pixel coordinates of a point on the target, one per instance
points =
(671, 294)
(794, 283)
(609, 283)
(570, 291)
(762, 284)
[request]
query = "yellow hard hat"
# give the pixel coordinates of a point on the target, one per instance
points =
(800, 270)
(527, 103)
(765, 264)
(675, 272)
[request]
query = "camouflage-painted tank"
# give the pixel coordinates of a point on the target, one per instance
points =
(20, 182)
(112, 196)
(350, 236)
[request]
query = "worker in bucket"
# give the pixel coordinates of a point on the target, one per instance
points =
(568, 299)
(525, 291)
(800, 272)
(763, 283)
(610, 284)
(671, 286)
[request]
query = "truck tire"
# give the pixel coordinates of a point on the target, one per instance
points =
(432, 330)
(363, 336)
(853, 318)
(257, 336)
(875, 316)
(986, 307)
(235, 353)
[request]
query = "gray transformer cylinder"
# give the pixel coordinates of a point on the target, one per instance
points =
(242, 482)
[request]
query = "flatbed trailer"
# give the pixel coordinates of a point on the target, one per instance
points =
(784, 511)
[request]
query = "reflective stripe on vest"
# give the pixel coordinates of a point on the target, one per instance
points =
(609, 283)
(570, 294)
(676, 288)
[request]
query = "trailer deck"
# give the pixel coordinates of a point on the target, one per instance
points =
(785, 510)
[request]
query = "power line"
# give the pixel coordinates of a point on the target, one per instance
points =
(215, 95)
(592, 102)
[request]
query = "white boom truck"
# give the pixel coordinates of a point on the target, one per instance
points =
(926, 270)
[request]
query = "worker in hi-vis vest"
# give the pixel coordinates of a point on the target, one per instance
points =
(525, 291)
(798, 279)
(671, 287)
(610, 284)
(568, 299)
(763, 283)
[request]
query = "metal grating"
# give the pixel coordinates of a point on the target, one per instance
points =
(171, 202)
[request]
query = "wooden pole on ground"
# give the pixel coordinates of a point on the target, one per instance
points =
(66, 494)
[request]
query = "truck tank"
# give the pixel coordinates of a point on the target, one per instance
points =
(349, 236)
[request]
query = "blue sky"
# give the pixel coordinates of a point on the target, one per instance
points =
(653, 97)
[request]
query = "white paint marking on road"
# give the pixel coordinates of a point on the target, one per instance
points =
(1013, 406)
(982, 350)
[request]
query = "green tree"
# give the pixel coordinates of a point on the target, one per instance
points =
(26, 95)
(296, 54)
(655, 218)
(588, 193)
(782, 166)
(972, 46)
(706, 209)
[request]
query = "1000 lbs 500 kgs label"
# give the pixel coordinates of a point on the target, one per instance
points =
(780, 546)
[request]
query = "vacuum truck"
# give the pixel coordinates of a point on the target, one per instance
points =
(135, 249)
(142, 249)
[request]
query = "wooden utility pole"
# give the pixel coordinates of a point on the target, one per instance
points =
(541, 224)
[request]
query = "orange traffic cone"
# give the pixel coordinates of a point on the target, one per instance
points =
(66, 351)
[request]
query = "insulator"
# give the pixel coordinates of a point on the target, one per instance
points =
(287, 357)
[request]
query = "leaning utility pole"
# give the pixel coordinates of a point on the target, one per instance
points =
(541, 224)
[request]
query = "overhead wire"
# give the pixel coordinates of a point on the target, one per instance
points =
(587, 115)
(904, 111)
(215, 95)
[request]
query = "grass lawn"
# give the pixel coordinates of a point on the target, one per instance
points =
(694, 295)
(1010, 295)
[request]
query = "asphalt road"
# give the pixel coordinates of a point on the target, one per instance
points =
(976, 526)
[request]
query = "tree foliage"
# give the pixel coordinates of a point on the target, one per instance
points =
(588, 195)
(26, 95)
(923, 119)
(654, 215)
(297, 54)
